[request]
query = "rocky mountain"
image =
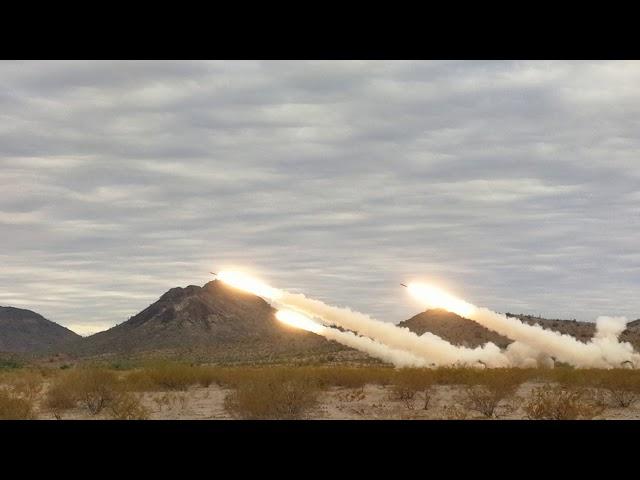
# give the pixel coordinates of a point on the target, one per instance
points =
(24, 331)
(462, 331)
(216, 322)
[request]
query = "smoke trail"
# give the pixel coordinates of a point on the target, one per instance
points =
(605, 351)
(428, 346)
(399, 358)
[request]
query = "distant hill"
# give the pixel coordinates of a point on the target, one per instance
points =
(213, 322)
(24, 331)
(462, 331)
(453, 328)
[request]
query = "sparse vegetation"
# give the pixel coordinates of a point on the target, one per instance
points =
(113, 390)
(28, 384)
(93, 388)
(127, 406)
(455, 412)
(14, 407)
(409, 381)
(491, 388)
(557, 402)
(622, 387)
(271, 395)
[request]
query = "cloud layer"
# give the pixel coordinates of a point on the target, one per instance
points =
(514, 184)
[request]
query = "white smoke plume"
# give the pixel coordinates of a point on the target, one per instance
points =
(607, 338)
(430, 347)
(399, 358)
(427, 346)
(523, 356)
(604, 351)
(610, 327)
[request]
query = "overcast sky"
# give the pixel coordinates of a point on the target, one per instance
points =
(514, 184)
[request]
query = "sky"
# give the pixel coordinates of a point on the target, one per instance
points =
(515, 185)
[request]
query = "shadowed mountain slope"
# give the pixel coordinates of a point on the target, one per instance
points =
(24, 331)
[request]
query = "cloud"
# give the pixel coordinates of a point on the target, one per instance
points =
(514, 183)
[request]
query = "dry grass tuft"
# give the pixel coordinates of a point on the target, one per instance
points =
(272, 395)
(558, 402)
(488, 390)
(621, 386)
(127, 406)
(93, 388)
(14, 407)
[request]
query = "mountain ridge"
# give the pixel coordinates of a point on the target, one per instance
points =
(25, 331)
(219, 323)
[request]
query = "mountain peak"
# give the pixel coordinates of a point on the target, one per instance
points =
(215, 319)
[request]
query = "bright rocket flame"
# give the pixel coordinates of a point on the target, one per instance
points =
(437, 298)
(245, 282)
(297, 320)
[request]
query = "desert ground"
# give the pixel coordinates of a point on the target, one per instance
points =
(168, 390)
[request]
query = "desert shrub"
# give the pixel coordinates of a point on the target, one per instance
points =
(489, 389)
(60, 397)
(404, 394)
(347, 377)
(207, 375)
(570, 377)
(453, 376)
(353, 395)
(172, 376)
(161, 376)
(454, 412)
(94, 388)
(407, 382)
(621, 387)
(416, 378)
(273, 395)
(13, 407)
(483, 399)
(475, 376)
(558, 402)
(27, 384)
(127, 406)
(350, 377)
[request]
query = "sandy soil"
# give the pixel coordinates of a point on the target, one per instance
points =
(369, 402)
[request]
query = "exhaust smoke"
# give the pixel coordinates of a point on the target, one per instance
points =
(603, 351)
